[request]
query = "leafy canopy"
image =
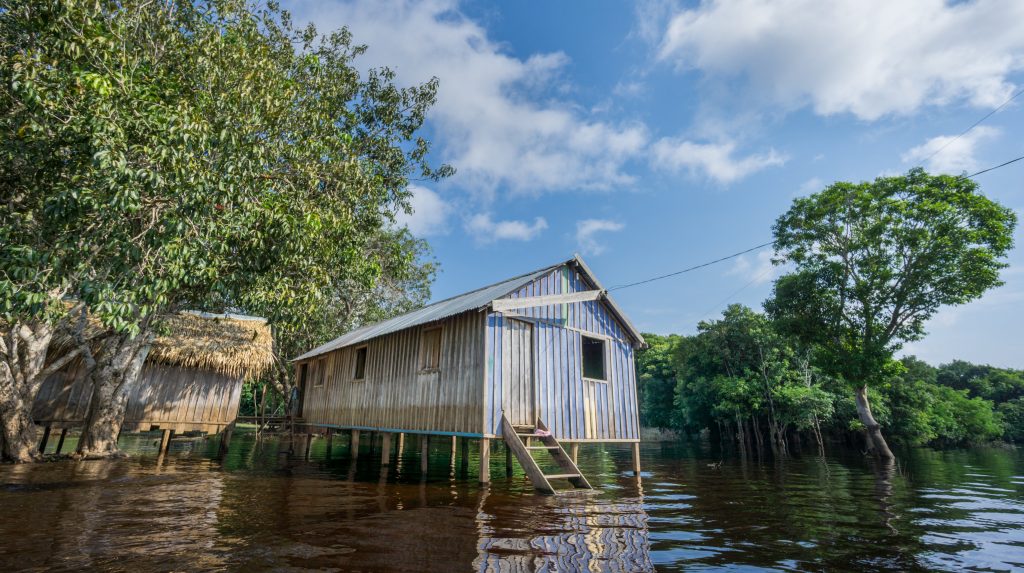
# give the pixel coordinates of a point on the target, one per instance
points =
(875, 260)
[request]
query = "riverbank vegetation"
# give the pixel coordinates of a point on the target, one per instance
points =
(160, 156)
(715, 381)
(871, 263)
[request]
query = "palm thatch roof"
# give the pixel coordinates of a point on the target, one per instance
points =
(230, 344)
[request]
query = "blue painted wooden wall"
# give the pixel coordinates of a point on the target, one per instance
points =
(574, 408)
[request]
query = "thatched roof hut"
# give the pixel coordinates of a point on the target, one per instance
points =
(192, 380)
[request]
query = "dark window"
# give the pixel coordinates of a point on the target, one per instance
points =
(360, 363)
(593, 358)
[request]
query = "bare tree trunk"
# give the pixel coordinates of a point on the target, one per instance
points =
(23, 368)
(875, 439)
(113, 376)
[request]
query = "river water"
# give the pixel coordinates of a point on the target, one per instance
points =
(263, 509)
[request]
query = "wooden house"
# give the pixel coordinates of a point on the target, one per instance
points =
(546, 357)
(191, 381)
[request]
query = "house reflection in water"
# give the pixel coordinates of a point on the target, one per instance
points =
(588, 536)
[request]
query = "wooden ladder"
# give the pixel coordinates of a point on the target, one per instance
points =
(520, 440)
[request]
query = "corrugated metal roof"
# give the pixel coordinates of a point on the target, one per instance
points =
(442, 309)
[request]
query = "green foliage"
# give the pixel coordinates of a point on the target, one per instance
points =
(656, 381)
(876, 260)
(170, 154)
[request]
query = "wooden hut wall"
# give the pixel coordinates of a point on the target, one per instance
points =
(572, 407)
(183, 399)
(171, 397)
(395, 394)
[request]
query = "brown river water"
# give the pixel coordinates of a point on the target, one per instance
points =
(263, 509)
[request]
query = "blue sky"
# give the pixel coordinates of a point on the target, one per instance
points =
(650, 137)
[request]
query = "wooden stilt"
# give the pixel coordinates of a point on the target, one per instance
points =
(464, 452)
(353, 444)
(424, 452)
(373, 443)
(636, 458)
(165, 441)
(401, 444)
(575, 449)
(508, 460)
(385, 449)
(60, 442)
(225, 439)
(330, 442)
(454, 442)
(46, 438)
(309, 443)
(485, 460)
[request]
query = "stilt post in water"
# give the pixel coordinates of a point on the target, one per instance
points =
(485, 460)
(424, 452)
(46, 438)
(165, 441)
(636, 458)
(464, 453)
(508, 460)
(385, 449)
(225, 439)
(575, 449)
(353, 444)
(60, 442)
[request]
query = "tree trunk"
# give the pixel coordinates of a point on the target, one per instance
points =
(22, 359)
(113, 376)
(875, 440)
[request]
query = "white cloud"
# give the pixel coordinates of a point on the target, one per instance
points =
(947, 154)
(865, 57)
(587, 228)
(486, 230)
(758, 271)
(497, 121)
(430, 213)
(715, 160)
(812, 185)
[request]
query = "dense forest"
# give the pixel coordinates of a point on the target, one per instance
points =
(742, 380)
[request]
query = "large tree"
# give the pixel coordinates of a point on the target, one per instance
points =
(875, 260)
(183, 149)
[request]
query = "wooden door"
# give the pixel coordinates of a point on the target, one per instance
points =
(520, 401)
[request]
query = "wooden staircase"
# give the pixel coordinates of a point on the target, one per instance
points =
(521, 440)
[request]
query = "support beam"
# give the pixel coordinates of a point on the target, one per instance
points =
(401, 444)
(353, 445)
(60, 442)
(385, 449)
(503, 304)
(574, 448)
(424, 452)
(330, 442)
(46, 438)
(309, 444)
(485, 460)
(636, 458)
(165, 441)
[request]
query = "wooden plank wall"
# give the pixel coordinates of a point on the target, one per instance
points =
(395, 394)
(174, 398)
(573, 408)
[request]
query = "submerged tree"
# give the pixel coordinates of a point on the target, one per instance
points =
(874, 261)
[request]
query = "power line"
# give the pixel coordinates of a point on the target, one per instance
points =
(972, 175)
(763, 245)
(973, 125)
(693, 268)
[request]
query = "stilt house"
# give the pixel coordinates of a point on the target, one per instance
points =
(546, 356)
(191, 381)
